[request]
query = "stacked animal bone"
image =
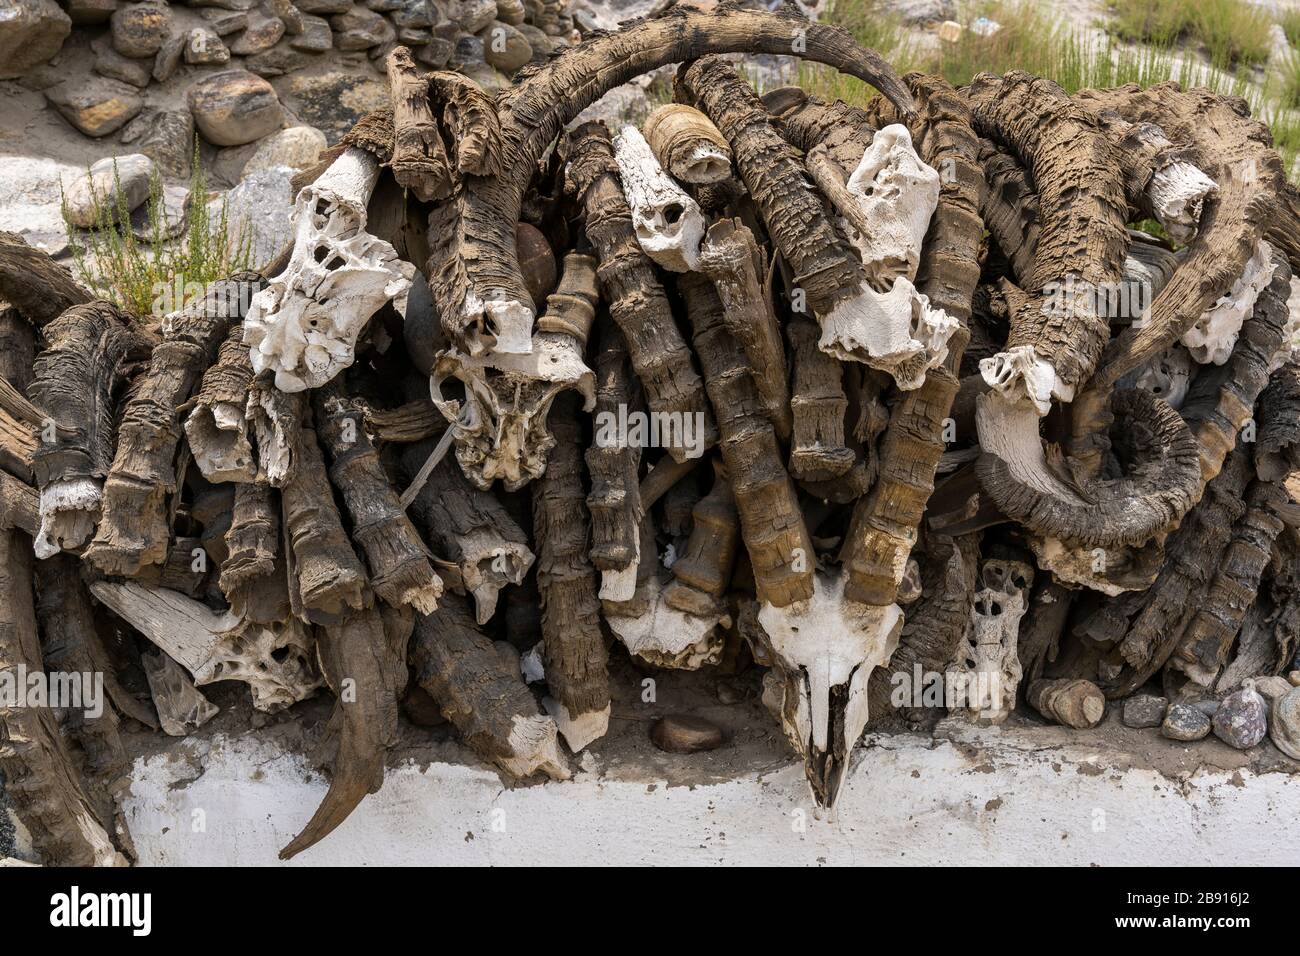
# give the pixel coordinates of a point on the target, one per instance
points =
(325, 477)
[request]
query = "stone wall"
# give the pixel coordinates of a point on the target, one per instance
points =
(150, 74)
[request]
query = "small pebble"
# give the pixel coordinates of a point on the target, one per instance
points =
(1242, 721)
(680, 734)
(1294, 678)
(1184, 722)
(1144, 710)
(1284, 724)
(1209, 706)
(1272, 688)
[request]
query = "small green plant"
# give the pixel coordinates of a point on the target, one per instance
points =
(156, 274)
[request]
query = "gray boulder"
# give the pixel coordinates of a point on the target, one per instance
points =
(260, 36)
(167, 137)
(1144, 710)
(260, 205)
(139, 29)
(97, 106)
(234, 107)
(109, 185)
(31, 32)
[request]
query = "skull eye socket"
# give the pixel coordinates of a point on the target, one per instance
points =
(673, 212)
(324, 253)
(280, 655)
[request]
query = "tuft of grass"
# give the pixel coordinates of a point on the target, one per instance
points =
(1232, 32)
(1290, 21)
(156, 275)
(1028, 40)
(873, 26)
(1289, 79)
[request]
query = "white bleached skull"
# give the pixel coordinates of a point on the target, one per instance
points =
(1018, 374)
(304, 325)
(668, 223)
(898, 194)
(896, 331)
(822, 652)
(277, 663)
(987, 670)
(1168, 376)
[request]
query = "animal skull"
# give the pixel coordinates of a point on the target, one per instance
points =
(897, 194)
(1177, 192)
(1018, 374)
(276, 661)
(1168, 376)
(304, 325)
(896, 331)
(668, 223)
(823, 651)
(987, 670)
(664, 636)
(500, 425)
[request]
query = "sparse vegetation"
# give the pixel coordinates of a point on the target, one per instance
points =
(1231, 32)
(1290, 21)
(155, 274)
(1031, 39)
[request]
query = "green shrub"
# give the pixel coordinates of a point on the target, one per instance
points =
(155, 275)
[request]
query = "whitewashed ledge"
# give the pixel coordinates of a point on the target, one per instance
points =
(1020, 795)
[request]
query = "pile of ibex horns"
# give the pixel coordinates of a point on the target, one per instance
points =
(830, 305)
